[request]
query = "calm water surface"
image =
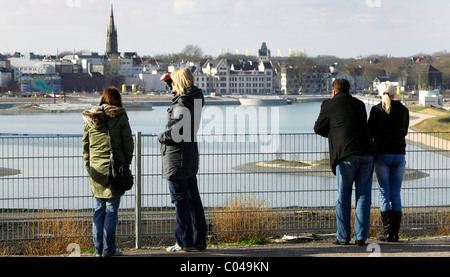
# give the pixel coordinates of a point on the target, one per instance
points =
(295, 118)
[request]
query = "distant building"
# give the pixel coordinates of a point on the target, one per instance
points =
(86, 62)
(429, 77)
(111, 37)
(143, 73)
(263, 53)
(244, 78)
(187, 64)
(30, 63)
(5, 77)
(82, 82)
(430, 97)
(4, 62)
(315, 80)
(6, 73)
(145, 66)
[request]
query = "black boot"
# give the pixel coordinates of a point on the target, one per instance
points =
(396, 218)
(386, 220)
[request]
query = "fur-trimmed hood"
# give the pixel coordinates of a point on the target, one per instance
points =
(96, 147)
(95, 115)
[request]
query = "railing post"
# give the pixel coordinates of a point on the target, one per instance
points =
(137, 187)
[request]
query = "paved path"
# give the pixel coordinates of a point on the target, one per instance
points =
(420, 247)
(423, 138)
(316, 257)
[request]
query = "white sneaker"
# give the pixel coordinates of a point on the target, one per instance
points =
(177, 248)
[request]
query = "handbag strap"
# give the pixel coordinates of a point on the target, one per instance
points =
(107, 130)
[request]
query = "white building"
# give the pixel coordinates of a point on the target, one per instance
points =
(147, 81)
(125, 67)
(171, 68)
(144, 73)
(29, 63)
(430, 97)
(245, 78)
(86, 62)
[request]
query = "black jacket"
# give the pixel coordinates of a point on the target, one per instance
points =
(179, 140)
(343, 120)
(389, 130)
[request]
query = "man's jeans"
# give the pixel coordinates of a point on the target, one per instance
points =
(389, 169)
(104, 225)
(358, 170)
(190, 223)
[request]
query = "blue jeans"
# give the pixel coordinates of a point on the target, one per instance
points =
(389, 169)
(358, 170)
(190, 222)
(104, 225)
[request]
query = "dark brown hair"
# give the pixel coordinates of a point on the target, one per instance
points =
(341, 85)
(111, 96)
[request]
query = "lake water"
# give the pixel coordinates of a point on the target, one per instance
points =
(67, 187)
(295, 118)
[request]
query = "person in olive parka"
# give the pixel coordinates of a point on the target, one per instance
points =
(96, 155)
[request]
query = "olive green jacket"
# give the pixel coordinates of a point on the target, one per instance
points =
(96, 153)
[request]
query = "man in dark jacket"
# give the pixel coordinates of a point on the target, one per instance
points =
(343, 120)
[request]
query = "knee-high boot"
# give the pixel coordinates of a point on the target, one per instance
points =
(387, 225)
(396, 218)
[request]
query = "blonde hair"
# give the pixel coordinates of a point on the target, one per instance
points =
(182, 79)
(385, 91)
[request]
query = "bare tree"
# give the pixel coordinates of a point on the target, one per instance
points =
(191, 52)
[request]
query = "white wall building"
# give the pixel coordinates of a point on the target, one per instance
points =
(171, 68)
(245, 78)
(29, 63)
(147, 82)
(430, 97)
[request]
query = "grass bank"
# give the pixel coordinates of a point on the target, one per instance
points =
(439, 123)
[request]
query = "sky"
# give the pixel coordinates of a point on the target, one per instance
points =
(350, 28)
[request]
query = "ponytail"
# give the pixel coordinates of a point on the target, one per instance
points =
(385, 91)
(386, 103)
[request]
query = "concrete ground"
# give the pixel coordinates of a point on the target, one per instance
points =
(416, 247)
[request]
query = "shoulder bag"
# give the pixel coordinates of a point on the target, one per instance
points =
(119, 173)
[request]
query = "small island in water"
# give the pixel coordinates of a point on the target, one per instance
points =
(8, 171)
(317, 168)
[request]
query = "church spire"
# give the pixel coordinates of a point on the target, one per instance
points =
(111, 36)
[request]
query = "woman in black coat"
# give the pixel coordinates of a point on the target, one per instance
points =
(181, 160)
(388, 123)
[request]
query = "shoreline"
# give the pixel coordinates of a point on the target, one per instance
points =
(11, 106)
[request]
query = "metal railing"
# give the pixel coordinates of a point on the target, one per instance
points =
(286, 176)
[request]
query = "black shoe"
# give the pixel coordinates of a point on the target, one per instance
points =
(360, 242)
(339, 242)
(200, 247)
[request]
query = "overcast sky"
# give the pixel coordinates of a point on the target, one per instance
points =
(343, 28)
